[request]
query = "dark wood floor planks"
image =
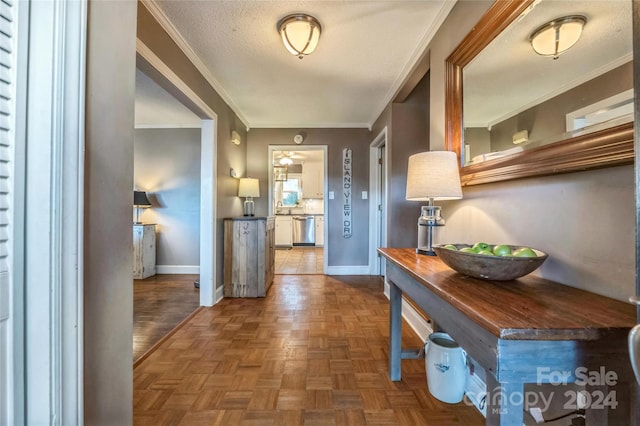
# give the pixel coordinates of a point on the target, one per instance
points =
(313, 352)
(160, 303)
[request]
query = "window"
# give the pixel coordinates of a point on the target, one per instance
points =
(291, 191)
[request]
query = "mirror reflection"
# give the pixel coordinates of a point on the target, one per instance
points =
(515, 99)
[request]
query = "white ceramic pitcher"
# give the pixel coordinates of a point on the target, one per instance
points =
(446, 367)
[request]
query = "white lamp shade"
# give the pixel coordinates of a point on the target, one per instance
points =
(433, 175)
(300, 33)
(249, 187)
(557, 36)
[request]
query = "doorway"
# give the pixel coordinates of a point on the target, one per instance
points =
(151, 65)
(297, 188)
(166, 163)
(378, 160)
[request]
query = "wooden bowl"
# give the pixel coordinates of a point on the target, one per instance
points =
(500, 268)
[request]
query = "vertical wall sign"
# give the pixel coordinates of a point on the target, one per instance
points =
(347, 220)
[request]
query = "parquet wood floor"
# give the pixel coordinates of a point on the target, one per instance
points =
(313, 352)
(160, 303)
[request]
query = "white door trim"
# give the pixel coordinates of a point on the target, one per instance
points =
(54, 211)
(376, 217)
(208, 173)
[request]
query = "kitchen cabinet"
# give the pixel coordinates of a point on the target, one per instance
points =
(144, 251)
(312, 180)
(284, 235)
(319, 230)
(249, 256)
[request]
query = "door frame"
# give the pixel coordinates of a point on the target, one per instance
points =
(377, 217)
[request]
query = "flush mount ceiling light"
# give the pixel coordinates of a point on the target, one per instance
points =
(286, 161)
(557, 36)
(300, 33)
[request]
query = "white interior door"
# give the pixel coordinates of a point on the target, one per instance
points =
(8, 303)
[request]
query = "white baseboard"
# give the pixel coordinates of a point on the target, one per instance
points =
(348, 270)
(219, 295)
(416, 321)
(476, 390)
(177, 269)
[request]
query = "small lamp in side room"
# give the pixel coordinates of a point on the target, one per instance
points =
(432, 176)
(249, 188)
(140, 201)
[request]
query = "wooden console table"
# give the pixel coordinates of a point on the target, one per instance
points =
(521, 331)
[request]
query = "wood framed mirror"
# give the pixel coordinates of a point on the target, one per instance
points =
(608, 147)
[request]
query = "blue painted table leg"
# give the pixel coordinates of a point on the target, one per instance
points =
(395, 332)
(505, 402)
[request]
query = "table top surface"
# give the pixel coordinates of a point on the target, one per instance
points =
(529, 308)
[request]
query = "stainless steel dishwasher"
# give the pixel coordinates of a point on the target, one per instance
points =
(304, 230)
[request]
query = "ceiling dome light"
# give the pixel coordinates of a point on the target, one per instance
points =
(557, 36)
(300, 33)
(286, 161)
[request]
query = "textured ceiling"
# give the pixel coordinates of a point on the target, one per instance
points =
(365, 52)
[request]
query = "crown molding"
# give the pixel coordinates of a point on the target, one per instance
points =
(182, 44)
(445, 8)
(311, 126)
(167, 126)
(148, 55)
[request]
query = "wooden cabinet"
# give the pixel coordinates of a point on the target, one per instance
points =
(249, 254)
(319, 231)
(144, 251)
(312, 180)
(284, 231)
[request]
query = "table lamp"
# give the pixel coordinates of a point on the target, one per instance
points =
(249, 188)
(432, 175)
(140, 201)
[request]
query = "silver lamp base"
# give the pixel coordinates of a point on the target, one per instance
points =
(249, 207)
(429, 218)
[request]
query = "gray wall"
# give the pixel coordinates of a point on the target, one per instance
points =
(108, 263)
(342, 252)
(585, 221)
(407, 134)
(166, 164)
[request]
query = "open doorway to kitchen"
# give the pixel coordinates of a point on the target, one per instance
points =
(297, 188)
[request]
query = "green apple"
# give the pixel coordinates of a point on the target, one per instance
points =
(481, 246)
(450, 247)
(502, 250)
(486, 252)
(467, 250)
(524, 252)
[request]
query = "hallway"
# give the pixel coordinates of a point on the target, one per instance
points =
(313, 352)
